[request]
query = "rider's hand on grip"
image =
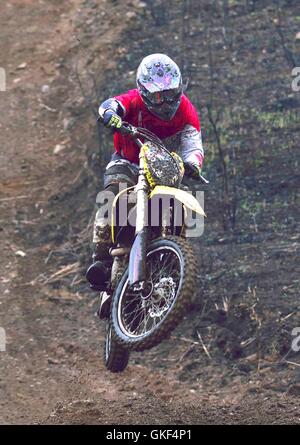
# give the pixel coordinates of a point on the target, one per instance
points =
(192, 170)
(112, 120)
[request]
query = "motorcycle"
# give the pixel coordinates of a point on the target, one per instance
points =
(152, 283)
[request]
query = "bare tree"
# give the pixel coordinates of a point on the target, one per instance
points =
(288, 53)
(228, 194)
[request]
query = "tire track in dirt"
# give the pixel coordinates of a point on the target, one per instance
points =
(25, 27)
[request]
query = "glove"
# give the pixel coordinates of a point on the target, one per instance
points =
(111, 119)
(192, 170)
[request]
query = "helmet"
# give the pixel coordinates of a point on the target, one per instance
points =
(159, 82)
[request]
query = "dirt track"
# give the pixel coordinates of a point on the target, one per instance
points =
(51, 371)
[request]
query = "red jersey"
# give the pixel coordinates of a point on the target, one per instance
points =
(137, 114)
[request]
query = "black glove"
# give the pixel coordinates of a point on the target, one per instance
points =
(112, 119)
(192, 170)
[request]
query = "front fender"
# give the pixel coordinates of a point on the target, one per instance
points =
(187, 199)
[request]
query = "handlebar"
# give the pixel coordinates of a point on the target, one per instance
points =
(203, 180)
(136, 132)
(129, 129)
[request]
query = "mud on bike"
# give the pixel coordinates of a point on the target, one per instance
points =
(152, 282)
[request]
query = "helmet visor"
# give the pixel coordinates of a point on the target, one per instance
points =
(167, 96)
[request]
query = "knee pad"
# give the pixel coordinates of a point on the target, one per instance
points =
(120, 170)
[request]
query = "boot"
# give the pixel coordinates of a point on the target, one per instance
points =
(98, 273)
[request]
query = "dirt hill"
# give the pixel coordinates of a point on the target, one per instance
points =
(231, 360)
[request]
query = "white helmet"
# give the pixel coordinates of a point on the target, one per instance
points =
(159, 82)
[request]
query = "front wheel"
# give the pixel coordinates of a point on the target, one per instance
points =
(141, 320)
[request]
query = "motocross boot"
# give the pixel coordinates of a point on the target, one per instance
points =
(98, 273)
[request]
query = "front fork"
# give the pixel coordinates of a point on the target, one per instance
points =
(137, 258)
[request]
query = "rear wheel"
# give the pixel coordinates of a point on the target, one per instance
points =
(116, 357)
(141, 320)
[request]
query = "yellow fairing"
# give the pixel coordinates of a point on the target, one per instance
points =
(150, 180)
(186, 198)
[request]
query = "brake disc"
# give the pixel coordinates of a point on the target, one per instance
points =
(164, 290)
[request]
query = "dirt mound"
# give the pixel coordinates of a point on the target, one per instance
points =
(152, 411)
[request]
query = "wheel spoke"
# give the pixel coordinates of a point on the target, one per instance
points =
(139, 314)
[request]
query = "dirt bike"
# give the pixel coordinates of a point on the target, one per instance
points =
(154, 268)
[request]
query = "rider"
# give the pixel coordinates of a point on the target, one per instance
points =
(159, 105)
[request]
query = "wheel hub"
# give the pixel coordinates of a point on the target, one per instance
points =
(163, 293)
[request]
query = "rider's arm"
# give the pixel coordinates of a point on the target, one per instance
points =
(113, 105)
(111, 111)
(114, 109)
(120, 104)
(191, 147)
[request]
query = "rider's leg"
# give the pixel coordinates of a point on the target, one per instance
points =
(119, 173)
(98, 273)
